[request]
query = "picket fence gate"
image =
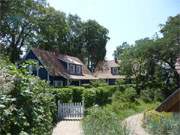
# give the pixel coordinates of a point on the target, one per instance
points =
(70, 110)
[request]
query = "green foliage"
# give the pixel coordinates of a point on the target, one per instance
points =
(94, 38)
(19, 25)
(77, 94)
(102, 122)
(124, 100)
(104, 94)
(63, 94)
(98, 83)
(162, 123)
(26, 107)
(33, 23)
(89, 97)
(151, 62)
(151, 94)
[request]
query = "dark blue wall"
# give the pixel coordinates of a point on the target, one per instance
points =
(85, 81)
(43, 72)
(58, 78)
(75, 83)
(112, 81)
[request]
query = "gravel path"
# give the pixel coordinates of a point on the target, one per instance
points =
(134, 124)
(68, 128)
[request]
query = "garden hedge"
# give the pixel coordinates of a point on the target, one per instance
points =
(90, 95)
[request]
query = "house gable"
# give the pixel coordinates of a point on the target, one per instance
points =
(171, 104)
(41, 71)
(56, 67)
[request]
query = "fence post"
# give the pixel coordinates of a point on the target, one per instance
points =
(58, 107)
(70, 110)
(83, 107)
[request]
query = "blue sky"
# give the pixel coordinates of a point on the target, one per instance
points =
(126, 20)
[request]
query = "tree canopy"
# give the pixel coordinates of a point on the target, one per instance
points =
(33, 23)
(152, 60)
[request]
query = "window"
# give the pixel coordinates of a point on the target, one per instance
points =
(78, 69)
(72, 68)
(30, 69)
(57, 83)
(114, 70)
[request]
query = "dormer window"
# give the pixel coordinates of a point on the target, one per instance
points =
(72, 68)
(114, 71)
(78, 69)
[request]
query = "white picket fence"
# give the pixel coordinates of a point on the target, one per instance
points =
(70, 110)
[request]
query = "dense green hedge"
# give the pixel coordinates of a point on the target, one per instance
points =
(91, 95)
(26, 106)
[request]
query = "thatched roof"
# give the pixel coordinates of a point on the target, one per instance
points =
(171, 104)
(51, 61)
(103, 70)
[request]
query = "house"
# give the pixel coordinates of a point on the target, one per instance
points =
(108, 71)
(172, 103)
(59, 69)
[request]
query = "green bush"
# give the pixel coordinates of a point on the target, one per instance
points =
(94, 95)
(98, 83)
(102, 122)
(127, 95)
(89, 96)
(162, 123)
(77, 94)
(104, 94)
(151, 94)
(26, 107)
(63, 94)
(124, 102)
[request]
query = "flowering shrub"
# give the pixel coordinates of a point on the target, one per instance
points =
(26, 106)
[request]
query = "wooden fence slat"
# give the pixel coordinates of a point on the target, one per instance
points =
(70, 110)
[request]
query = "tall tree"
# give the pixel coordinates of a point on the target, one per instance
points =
(120, 49)
(74, 37)
(18, 26)
(94, 38)
(53, 30)
(152, 61)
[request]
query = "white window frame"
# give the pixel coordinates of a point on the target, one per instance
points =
(78, 69)
(57, 83)
(72, 68)
(115, 70)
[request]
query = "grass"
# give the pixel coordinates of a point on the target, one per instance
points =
(162, 123)
(101, 121)
(107, 120)
(131, 108)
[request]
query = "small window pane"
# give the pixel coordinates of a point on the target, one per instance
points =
(78, 69)
(115, 70)
(72, 68)
(58, 83)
